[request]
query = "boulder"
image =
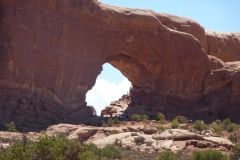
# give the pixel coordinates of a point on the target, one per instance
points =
(176, 134)
(220, 141)
(148, 130)
(82, 134)
(117, 108)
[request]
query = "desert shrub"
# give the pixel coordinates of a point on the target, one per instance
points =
(111, 152)
(208, 155)
(57, 148)
(50, 148)
(16, 151)
(226, 122)
(139, 117)
(11, 127)
(167, 156)
(160, 117)
(200, 125)
(88, 155)
(229, 126)
(235, 136)
(73, 150)
(139, 140)
(217, 127)
(46, 148)
(144, 117)
(112, 121)
(175, 123)
(161, 128)
(235, 153)
(182, 119)
(136, 117)
(91, 152)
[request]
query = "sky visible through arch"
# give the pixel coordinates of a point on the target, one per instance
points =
(215, 15)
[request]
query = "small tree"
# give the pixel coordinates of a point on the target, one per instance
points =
(175, 123)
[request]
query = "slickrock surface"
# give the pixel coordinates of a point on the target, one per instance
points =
(52, 51)
(128, 136)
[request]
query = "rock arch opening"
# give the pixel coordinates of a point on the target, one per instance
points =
(110, 85)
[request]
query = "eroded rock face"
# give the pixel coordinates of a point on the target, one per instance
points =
(52, 51)
(225, 46)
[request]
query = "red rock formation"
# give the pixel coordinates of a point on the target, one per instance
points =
(52, 51)
(225, 46)
(117, 108)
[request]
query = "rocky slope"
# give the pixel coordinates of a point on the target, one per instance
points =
(140, 137)
(52, 51)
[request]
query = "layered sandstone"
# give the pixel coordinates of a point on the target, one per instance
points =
(52, 51)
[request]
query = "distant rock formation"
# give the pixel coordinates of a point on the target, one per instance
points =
(51, 52)
(117, 108)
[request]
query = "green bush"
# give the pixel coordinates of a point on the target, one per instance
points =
(160, 117)
(167, 156)
(139, 117)
(88, 155)
(175, 123)
(111, 152)
(17, 151)
(57, 148)
(11, 127)
(46, 148)
(50, 148)
(91, 152)
(208, 155)
(229, 126)
(235, 153)
(226, 122)
(144, 117)
(112, 121)
(182, 119)
(200, 125)
(136, 117)
(73, 150)
(217, 127)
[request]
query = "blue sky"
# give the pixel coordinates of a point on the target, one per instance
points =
(216, 15)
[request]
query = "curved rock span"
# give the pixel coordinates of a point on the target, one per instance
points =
(52, 51)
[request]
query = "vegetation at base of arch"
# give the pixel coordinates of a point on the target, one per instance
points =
(139, 117)
(57, 148)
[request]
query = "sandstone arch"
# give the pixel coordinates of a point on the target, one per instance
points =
(52, 51)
